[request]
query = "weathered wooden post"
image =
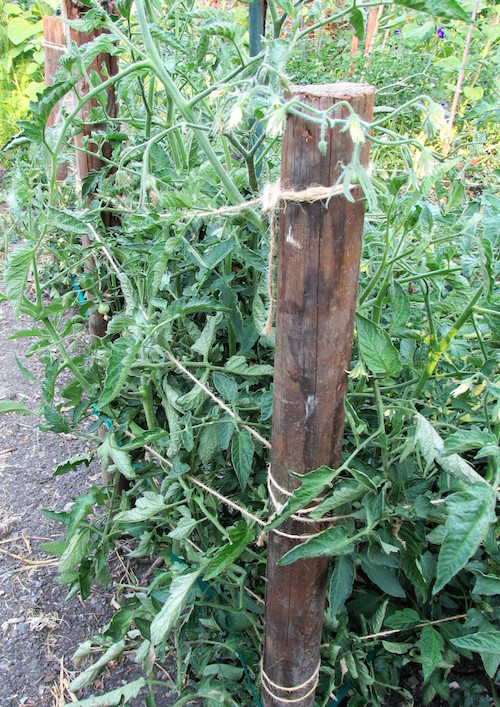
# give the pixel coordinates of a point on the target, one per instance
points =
(319, 252)
(87, 160)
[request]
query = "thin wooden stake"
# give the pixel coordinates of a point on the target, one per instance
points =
(87, 160)
(319, 252)
(458, 89)
(54, 46)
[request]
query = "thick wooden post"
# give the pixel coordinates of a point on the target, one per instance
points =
(318, 264)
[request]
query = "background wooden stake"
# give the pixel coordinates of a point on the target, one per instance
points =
(318, 264)
(88, 160)
(54, 46)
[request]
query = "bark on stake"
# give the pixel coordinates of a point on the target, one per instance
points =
(318, 265)
(87, 160)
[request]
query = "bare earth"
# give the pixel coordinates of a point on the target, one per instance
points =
(39, 630)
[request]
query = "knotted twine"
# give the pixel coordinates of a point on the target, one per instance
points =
(269, 201)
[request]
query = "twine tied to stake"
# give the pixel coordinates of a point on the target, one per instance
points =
(272, 688)
(269, 202)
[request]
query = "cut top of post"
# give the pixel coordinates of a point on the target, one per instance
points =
(340, 91)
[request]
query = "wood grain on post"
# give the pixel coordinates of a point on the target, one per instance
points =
(319, 253)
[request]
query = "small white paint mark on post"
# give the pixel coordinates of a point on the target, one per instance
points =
(310, 405)
(290, 239)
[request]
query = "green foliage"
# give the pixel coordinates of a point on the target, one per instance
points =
(21, 64)
(182, 381)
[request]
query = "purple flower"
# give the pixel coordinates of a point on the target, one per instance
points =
(397, 31)
(440, 33)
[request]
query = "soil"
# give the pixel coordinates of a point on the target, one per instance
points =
(39, 630)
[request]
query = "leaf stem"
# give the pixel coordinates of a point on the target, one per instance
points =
(444, 343)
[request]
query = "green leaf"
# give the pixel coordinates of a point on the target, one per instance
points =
(333, 541)
(67, 221)
(400, 307)
(208, 443)
(19, 30)
(376, 348)
(79, 510)
(449, 9)
(384, 577)
(487, 585)
(204, 342)
(75, 551)
(146, 506)
(406, 618)
(357, 22)
(122, 357)
(226, 386)
(238, 365)
(25, 371)
(183, 528)
(486, 260)
(470, 514)
(344, 491)
(239, 537)
(16, 274)
(120, 458)
(474, 93)
(431, 645)
(48, 99)
(396, 648)
(170, 613)
(312, 485)
(464, 440)
(242, 451)
(487, 641)
(91, 673)
(341, 583)
(431, 445)
(55, 421)
(11, 406)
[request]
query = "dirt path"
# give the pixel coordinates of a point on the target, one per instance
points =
(39, 631)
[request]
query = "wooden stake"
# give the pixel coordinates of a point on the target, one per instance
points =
(54, 46)
(88, 160)
(319, 252)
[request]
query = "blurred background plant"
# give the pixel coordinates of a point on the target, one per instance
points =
(21, 59)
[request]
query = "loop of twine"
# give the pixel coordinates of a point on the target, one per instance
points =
(295, 516)
(271, 686)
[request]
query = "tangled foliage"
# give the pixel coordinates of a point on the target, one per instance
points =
(415, 563)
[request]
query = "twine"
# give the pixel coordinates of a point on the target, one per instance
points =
(53, 45)
(271, 686)
(269, 201)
